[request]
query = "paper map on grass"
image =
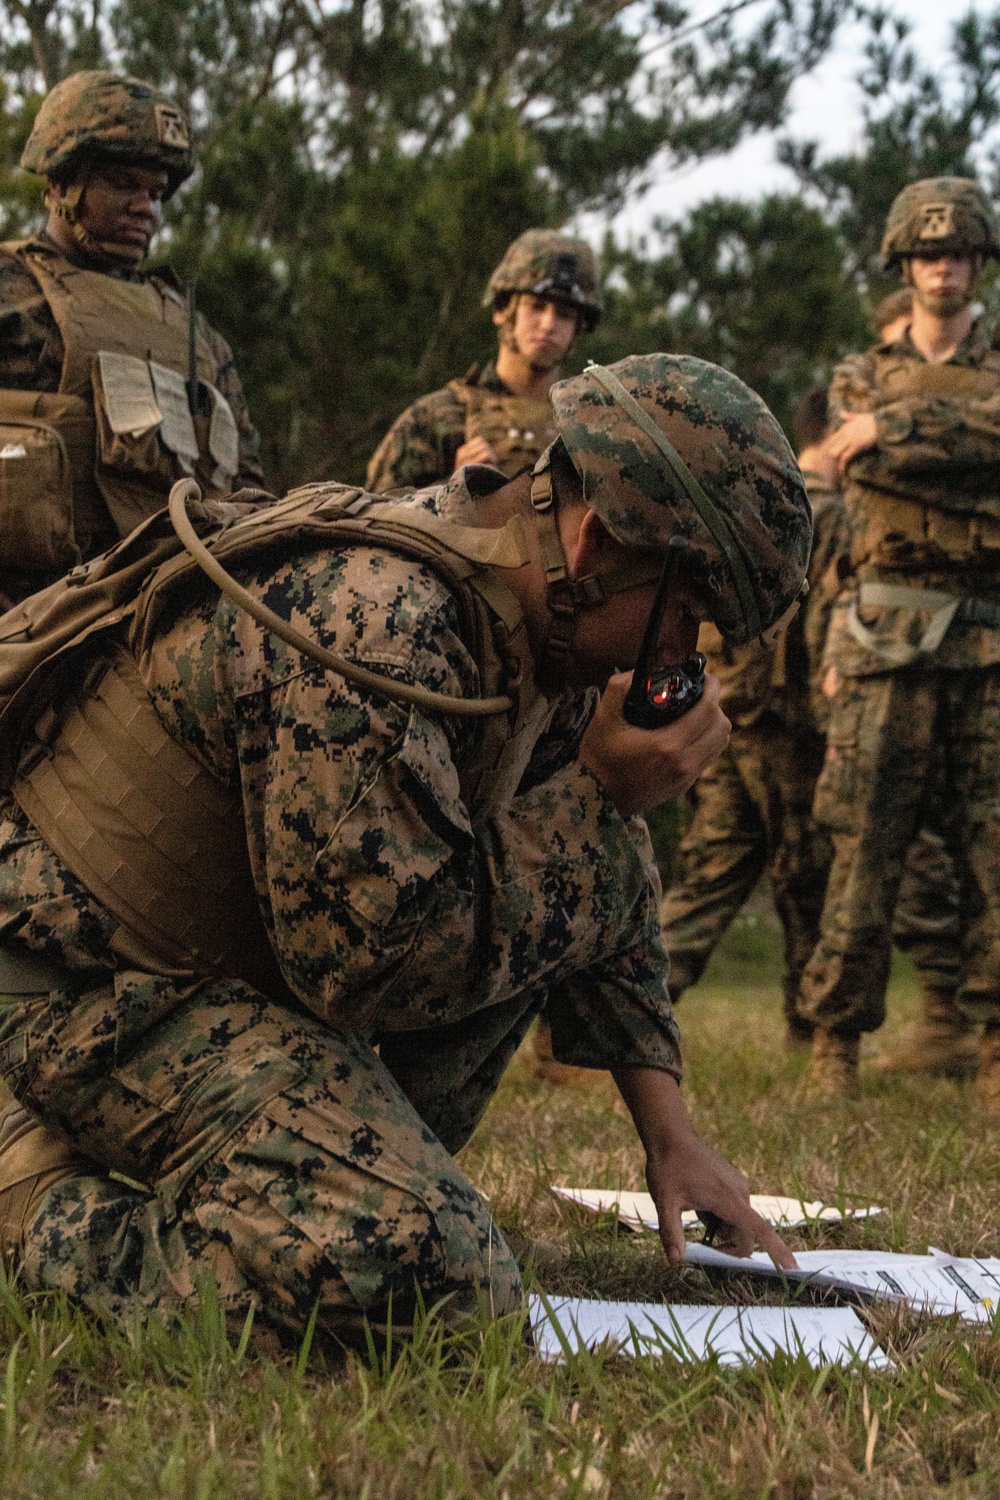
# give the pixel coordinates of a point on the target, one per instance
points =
(638, 1210)
(737, 1335)
(935, 1282)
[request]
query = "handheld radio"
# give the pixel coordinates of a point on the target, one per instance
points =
(655, 701)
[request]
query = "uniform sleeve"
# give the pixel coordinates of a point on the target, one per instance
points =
(31, 350)
(617, 1012)
(917, 434)
(420, 446)
(852, 388)
(921, 435)
(228, 381)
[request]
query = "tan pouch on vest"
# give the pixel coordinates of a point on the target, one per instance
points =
(44, 439)
(518, 430)
(162, 844)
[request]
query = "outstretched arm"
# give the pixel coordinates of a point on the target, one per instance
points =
(682, 1172)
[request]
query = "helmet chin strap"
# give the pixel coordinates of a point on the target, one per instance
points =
(67, 207)
(566, 597)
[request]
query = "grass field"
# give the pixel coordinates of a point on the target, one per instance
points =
(101, 1416)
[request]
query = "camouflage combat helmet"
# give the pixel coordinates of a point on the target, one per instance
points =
(667, 445)
(940, 216)
(103, 114)
(548, 264)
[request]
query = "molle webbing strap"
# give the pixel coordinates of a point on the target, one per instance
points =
(712, 517)
(149, 830)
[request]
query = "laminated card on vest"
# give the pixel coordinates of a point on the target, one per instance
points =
(223, 438)
(177, 429)
(129, 398)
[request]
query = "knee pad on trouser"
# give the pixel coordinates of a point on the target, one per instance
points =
(32, 1164)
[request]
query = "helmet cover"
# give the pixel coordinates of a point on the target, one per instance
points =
(731, 489)
(548, 264)
(99, 114)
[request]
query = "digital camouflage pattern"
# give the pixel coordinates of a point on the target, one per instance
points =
(422, 444)
(898, 743)
(905, 739)
(31, 347)
(96, 114)
(753, 806)
(549, 264)
(282, 1154)
(752, 815)
(922, 503)
(734, 448)
(940, 216)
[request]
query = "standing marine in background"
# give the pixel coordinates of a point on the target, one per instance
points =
(913, 656)
(108, 394)
(928, 924)
(753, 806)
(542, 294)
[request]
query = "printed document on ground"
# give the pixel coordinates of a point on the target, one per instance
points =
(737, 1335)
(638, 1210)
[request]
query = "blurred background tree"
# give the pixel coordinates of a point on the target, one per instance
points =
(364, 163)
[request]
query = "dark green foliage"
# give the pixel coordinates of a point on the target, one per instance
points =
(919, 121)
(364, 165)
(762, 289)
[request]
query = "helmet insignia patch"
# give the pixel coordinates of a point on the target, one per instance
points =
(937, 221)
(171, 127)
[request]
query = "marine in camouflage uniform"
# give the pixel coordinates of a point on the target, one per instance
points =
(96, 134)
(753, 807)
(506, 405)
(914, 649)
(269, 1149)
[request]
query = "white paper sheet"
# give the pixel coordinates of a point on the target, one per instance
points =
(738, 1335)
(638, 1210)
(936, 1283)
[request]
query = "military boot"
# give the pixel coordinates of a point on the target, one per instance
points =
(988, 1082)
(944, 1042)
(833, 1064)
(544, 1065)
(32, 1160)
(798, 1033)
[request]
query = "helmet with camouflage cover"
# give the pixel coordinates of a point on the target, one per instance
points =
(667, 445)
(548, 264)
(98, 114)
(940, 216)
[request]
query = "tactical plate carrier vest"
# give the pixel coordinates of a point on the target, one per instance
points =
(138, 816)
(518, 430)
(896, 526)
(93, 460)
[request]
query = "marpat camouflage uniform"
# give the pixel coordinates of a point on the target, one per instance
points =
(286, 1159)
(914, 720)
(753, 806)
(421, 446)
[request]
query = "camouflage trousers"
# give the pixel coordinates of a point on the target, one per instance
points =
(898, 745)
(753, 815)
(285, 1165)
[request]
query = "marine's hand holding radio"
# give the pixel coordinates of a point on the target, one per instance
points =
(642, 768)
(656, 729)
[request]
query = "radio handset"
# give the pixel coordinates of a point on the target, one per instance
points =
(654, 701)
